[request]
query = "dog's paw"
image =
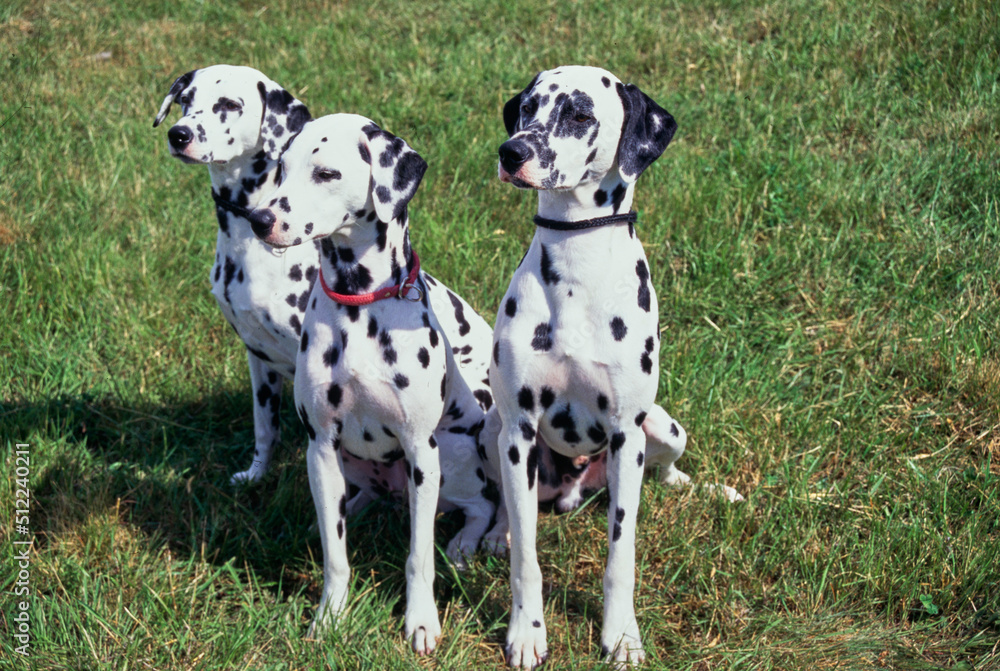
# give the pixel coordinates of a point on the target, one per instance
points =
(460, 550)
(569, 502)
(526, 647)
(250, 476)
(728, 492)
(422, 628)
(674, 477)
(627, 654)
(623, 647)
(324, 620)
(497, 544)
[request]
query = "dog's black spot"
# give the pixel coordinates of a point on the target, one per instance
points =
(526, 399)
(514, 455)
(645, 360)
(304, 345)
(542, 341)
(533, 456)
(511, 306)
(263, 394)
(304, 417)
(640, 418)
(617, 440)
(602, 402)
(418, 477)
(353, 312)
(454, 411)
(463, 324)
(590, 159)
(365, 154)
(372, 327)
(618, 329)
(259, 354)
(617, 196)
(444, 385)
(295, 273)
(340, 528)
(640, 458)
(496, 352)
(564, 420)
(548, 273)
(401, 381)
(643, 273)
(366, 436)
(606, 82)
(331, 356)
(296, 324)
(484, 397)
(597, 434)
(343, 506)
(432, 442)
(334, 395)
(424, 357)
(392, 456)
(673, 430)
(600, 197)
(547, 397)
(527, 431)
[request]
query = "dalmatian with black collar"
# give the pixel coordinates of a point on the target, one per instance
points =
(237, 121)
(575, 356)
(392, 365)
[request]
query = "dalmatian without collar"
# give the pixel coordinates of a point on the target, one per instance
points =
(574, 366)
(397, 380)
(236, 121)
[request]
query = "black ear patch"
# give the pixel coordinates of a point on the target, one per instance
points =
(646, 131)
(397, 171)
(512, 108)
(176, 89)
(282, 119)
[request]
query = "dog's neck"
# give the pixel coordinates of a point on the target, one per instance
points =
(364, 256)
(244, 181)
(612, 195)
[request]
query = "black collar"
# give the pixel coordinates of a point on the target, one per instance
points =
(586, 223)
(230, 206)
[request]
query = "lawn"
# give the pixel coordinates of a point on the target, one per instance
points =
(824, 240)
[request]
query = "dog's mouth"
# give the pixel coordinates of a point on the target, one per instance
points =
(514, 180)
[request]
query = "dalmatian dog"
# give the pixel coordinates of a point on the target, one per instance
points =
(237, 121)
(574, 364)
(392, 365)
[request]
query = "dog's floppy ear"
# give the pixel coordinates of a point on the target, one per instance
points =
(646, 131)
(176, 89)
(282, 119)
(512, 108)
(396, 171)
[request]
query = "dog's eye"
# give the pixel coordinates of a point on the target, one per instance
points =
(528, 107)
(582, 117)
(184, 100)
(232, 106)
(325, 174)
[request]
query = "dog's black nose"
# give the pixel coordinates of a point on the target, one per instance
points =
(180, 137)
(262, 221)
(514, 154)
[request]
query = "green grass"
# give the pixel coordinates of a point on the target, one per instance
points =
(824, 235)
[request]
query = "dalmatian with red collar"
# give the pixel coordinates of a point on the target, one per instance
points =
(392, 365)
(575, 357)
(236, 121)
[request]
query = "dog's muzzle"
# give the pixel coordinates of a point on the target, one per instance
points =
(262, 221)
(514, 154)
(180, 137)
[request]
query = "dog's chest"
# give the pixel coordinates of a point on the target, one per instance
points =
(264, 295)
(577, 341)
(375, 373)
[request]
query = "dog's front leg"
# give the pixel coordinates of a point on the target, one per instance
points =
(526, 646)
(620, 638)
(329, 492)
(266, 385)
(422, 627)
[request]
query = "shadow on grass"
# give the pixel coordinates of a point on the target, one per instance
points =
(165, 469)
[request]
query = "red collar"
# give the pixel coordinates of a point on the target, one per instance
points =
(399, 290)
